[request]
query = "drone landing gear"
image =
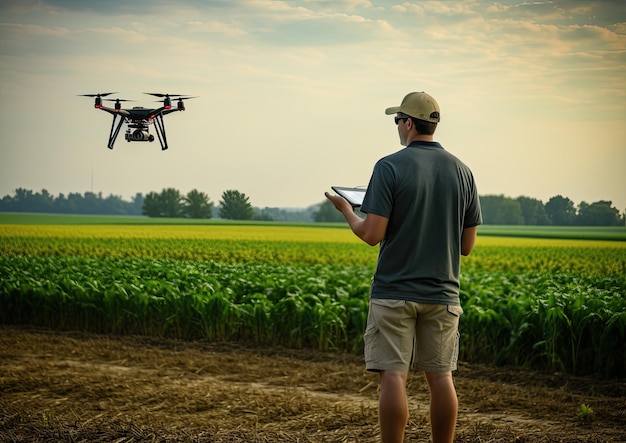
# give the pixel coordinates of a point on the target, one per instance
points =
(159, 124)
(115, 130)
(138, 132)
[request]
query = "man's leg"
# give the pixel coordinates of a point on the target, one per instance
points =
(444, 406)
(393, 407)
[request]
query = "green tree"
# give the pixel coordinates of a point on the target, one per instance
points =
(197, 205)
(113, 204)
(90, 202)
(64, 204)
(43, 201)
(151, 206)
(561, 211)
(262, 214)
(600, 213)
(75, 201)
(328, 213)
(533, 211)
(137, 203)
(509, 213)
(501, 210)
(234, 205)
(169, 203)
(21, 199)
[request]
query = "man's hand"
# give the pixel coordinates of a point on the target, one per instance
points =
(370, 229)
(340, 203)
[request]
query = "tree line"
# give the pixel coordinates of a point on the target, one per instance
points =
(501, 210)
(170, 202)
(25, 200)
(558, 210)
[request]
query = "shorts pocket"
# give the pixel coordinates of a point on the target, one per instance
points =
(455, 310)
(368, 341)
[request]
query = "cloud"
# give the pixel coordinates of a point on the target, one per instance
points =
(340, 4)
(215, 27)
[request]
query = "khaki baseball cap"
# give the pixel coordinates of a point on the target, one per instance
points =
(419, 105)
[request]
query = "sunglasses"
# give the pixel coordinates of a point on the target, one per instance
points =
(397, 119)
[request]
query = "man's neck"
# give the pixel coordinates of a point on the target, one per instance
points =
(419, 138)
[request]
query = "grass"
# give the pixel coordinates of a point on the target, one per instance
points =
(80, 219)
(612, 233)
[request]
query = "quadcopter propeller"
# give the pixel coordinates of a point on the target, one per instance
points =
(101, 94)
(118, 102)
(158, 94)
(98, 98)
(167, 99)
(181, 97)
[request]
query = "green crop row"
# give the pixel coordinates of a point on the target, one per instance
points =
(314, 306)
(567, 322)
(560, 322)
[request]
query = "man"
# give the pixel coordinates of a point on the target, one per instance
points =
(422, 206)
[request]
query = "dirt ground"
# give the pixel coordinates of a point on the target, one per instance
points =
(76, 387)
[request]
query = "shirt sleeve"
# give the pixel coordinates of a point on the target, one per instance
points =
(379, 196)
(473, 213)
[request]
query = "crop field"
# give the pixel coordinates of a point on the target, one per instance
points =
(127, 329)
(553, 304)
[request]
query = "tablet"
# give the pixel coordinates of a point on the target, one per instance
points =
(353, 195)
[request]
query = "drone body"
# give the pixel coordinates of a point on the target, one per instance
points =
(138, 119)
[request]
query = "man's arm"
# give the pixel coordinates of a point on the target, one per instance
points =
(468, 239)
(370, 229)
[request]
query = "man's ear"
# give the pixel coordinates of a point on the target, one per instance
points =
(411, 124)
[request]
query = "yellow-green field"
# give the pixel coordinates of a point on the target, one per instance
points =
(275, 243)
(256, 232)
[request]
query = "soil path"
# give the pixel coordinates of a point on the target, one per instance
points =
(75, 387)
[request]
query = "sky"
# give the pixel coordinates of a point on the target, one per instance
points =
(291, 95)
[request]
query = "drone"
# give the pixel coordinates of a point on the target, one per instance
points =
(138, 118)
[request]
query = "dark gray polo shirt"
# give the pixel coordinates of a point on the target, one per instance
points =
(429, 196)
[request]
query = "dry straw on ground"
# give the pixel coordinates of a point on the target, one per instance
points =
(74, 387)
